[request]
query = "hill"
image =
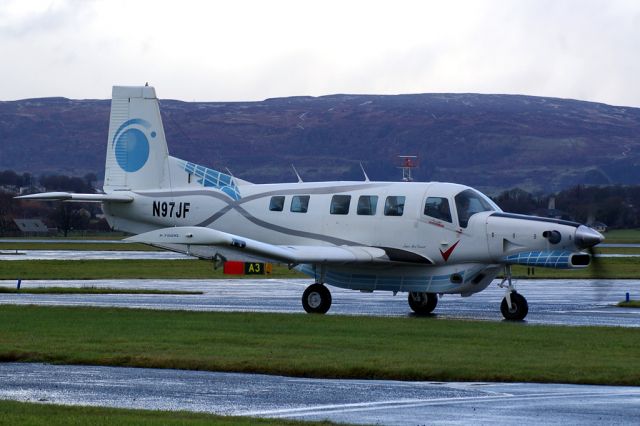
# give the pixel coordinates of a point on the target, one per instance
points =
(492, 142)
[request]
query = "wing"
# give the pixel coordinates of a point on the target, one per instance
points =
(292, 254)
(70, 196)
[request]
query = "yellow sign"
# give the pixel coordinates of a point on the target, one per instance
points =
(257, 268)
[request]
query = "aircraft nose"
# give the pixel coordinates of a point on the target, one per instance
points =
(587, 237)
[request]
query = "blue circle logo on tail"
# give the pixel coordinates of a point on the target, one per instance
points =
(131, 144)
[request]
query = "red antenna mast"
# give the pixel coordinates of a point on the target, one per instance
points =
(407, 163)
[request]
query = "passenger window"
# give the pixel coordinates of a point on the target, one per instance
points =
(367, 205)
(394, 205)
(300, 203)
(340, 204)
(277, 203)
(438, 207)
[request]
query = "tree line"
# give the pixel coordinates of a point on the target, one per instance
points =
(616, 206)
(62, 216)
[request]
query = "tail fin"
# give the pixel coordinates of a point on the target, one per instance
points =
(137, 154)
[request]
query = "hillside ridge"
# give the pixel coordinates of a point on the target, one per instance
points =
(492, 142)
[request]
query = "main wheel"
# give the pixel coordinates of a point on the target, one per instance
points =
(316, 299)
(519, 307)
(423, 303)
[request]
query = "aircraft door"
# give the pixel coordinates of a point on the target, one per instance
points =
(441, 222)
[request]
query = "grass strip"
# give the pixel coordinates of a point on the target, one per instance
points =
(25, 413)
(622, 236)
(629, 304)
(92, 290)
(611, 268)
(76, 246)
(123, 268)
(608, 268)
(321, 346)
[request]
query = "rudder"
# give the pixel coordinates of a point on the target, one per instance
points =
(137, 155)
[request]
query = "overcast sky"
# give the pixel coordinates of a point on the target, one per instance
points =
(252, 50)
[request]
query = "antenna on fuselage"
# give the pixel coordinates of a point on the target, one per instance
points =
(407, 162)
(366, 178)
(297, 174)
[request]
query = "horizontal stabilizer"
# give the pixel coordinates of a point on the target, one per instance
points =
(73, 197)
(196, 235)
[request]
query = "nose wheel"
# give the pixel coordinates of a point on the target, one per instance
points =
(518, 309)
(514, 306)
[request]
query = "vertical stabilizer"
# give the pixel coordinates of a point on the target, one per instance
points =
(137, 155)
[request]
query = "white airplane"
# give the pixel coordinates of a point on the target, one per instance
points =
(426, 239)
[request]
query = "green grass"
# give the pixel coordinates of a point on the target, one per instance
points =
(629, 304)
(91, 290)
(622, 236)
(23, 413)
(321, 346)
(122, 268)
(612, 268)
(617, 250)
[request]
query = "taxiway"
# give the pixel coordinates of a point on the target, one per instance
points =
(353, 401)
(566, 302)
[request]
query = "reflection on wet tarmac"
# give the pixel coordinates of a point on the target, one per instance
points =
(354, 401)
(88, 255)
(569, 302)
(573, 302)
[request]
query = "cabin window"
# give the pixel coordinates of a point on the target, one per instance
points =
(300, 203)
(277, 203)
(468, 203)
(367, 205)
(394, 205)
(340, 204)
(438, 208)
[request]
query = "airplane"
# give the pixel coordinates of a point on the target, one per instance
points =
(426, 239)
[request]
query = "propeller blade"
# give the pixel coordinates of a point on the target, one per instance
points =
(601, 285)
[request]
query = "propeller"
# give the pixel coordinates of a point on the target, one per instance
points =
(587, 239)
(600, 284)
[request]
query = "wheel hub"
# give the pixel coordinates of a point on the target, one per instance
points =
(314, 300)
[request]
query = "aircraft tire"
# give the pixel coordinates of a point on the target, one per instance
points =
(519, 307)
(316, 299)
(425, 304)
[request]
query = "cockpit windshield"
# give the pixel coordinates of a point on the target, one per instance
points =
(470, 202)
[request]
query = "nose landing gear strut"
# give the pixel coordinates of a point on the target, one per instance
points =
(514, 306)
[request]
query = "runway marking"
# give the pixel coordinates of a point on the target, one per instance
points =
(320, 410)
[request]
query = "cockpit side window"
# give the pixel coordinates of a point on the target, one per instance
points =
(468, 203)
(438, 207)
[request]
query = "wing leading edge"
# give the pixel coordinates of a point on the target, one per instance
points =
(201, 236)
(71, 196)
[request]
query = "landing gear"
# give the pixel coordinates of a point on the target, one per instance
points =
(423, 303)
(514, 306)
(519, 307)
(316, 299)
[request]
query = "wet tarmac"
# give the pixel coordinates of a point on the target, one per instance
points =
(353, 401)
(567, 302)
(88, 255)
(574, 302)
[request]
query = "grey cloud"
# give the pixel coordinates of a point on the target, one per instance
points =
(59, 15)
